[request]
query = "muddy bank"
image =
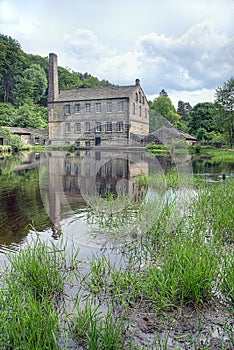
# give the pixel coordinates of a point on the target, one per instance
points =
(210, 326)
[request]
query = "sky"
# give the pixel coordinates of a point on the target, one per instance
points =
(185, 47)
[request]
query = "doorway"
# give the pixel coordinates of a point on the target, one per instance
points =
(97, 141)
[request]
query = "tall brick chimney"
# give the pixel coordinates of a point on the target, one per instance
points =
(53, 90)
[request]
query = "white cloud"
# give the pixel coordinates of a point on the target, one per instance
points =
(200, 58)
(85, 45)
(176, 46)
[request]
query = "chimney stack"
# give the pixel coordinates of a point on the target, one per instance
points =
(137, 82)
(53, 90)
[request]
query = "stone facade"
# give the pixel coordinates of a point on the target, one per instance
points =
(90, 117)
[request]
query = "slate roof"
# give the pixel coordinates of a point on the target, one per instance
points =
(171, 131)
(27, 131)
(97, 93)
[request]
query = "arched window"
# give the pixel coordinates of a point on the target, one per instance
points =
(136, 96)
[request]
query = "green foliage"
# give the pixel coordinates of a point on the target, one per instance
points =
(201, 120)
(30, 115)
(32, 85)
(12, 140)
(68, 80)
(164, 106)
(184, 110)
(173, 265)
(92, 330)
(26, 323)
(227, 281)
(38, 268)
(12, 62)
(29, 312)
(225, 113)
(7, 111)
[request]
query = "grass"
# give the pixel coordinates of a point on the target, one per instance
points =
(185, 257)
(177, 264)
(184, 260)
(30, 295)
(26, 323)
(227, 280)
(215, 154)
(158, 149)
(94, 330)
(38, 268)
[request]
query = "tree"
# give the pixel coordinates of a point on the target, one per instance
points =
(224, 118)
(163, 93)
(202, 117)
(32, 85)
(164, 106)
(30, 115)
(68, 80)
(7, 111)
(12, 60)
(184, 110)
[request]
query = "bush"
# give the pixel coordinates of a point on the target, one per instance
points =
(12, 140)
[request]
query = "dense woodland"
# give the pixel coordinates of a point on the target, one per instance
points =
(23, 97)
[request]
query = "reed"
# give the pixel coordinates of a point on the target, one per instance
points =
(93, 329)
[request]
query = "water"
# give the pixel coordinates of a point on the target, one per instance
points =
(49, 193)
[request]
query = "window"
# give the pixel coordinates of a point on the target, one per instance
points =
(119, 126)
(77, 128)
(37, 140)
(108, 127)
(77, 166)
(77, 108)
(68, 186)
(87, 127)
(146, 114)
(87, 144)
(133, 108)
(68, 168)
(120, 106)
(140, 111)
(139, 96)
(67, 110)
(119, 168)
(67, 128)
(136, 96)
(109, 107)
(98, 155)
(87, 107)
(108, 169)
(143, 100)
(98, 107)
(77, 188)
(98, 127)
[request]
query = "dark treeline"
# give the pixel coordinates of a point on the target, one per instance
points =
(23, 97)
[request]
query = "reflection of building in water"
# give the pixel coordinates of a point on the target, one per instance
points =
(71, 178)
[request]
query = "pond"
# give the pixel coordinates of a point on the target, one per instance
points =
(99, 203)
(52, 192)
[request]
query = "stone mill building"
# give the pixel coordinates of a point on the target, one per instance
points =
(87, 117)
